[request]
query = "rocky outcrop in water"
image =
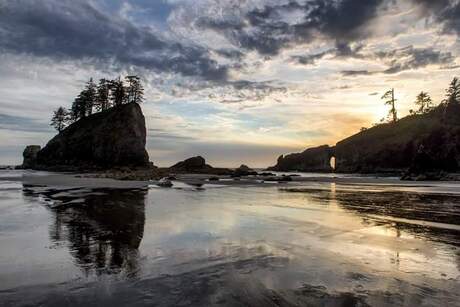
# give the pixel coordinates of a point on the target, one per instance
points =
(316, 159)
(191, 164)
(106, 140)
(244, 170)
(30, 156)
(197, 165)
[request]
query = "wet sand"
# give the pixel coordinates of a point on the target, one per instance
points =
(365, 183)
(79, 242)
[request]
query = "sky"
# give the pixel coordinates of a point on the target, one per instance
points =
(236, 81)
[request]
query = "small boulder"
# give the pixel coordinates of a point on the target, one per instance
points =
(165, 183)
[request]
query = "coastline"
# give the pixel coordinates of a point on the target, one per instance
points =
(85, 180)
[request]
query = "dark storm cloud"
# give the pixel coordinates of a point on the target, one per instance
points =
(267, 32)
(413, 58)
(64, 29)
(403, 59)
(445, 12)
(451, 18)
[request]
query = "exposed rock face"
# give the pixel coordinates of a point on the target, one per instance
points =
(316, 159)
(30, 156)
(105, 140)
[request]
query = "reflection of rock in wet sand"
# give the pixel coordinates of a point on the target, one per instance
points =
(103, 228)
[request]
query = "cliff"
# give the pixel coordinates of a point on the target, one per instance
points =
(105, 140)
(392, 147)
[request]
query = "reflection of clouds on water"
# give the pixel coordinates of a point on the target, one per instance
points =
(411, 229)
(238, 246)
(102, 229)
(431, 216)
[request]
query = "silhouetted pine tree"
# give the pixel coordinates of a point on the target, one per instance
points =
(135, 91)
(103, 102)
(424, 103)
(78, 110)
(391, 101)
(453, 92)
(118, 94)
(60, 119)
(90, 93)
(106, 94)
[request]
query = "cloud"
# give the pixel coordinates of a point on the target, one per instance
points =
(402, 59)
(155, 133)
(413, 58)
(341, 50)
(451, 18)
(269, 29)
(445, 12)
(65, 29)
(17, 123)
(352, 73)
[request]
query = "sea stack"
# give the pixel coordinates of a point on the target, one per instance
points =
(105, 140)
(30, 156)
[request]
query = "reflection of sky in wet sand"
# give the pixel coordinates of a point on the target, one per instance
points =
(230, 246)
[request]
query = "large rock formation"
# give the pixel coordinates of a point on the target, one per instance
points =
(104, 140)
(30, 156)
(392, 147)
(316, 159)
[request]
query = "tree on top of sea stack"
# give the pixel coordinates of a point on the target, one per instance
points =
(103, 96)
(60, 119)
(90, 96)
(117, 89)
(85, 101)
(103, 102)
(134, 90)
